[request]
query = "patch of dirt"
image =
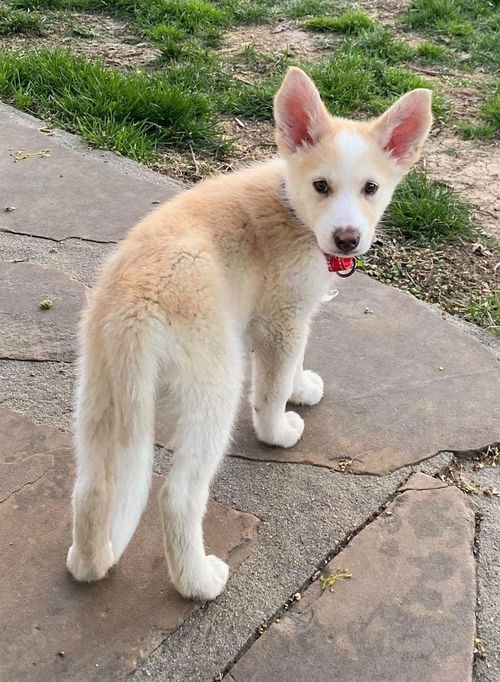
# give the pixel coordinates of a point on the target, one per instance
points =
(473, 169)
(466, 95)
(89, 35)
(252, 141)
(450, 274)
(282, 37)
(386, 11)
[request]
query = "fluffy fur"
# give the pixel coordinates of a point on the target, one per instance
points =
(239, 259)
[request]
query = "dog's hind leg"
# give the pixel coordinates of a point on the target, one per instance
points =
(207, 386)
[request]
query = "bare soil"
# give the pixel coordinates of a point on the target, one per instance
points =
(112, 40)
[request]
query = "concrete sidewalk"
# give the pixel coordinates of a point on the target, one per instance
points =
(423, 555)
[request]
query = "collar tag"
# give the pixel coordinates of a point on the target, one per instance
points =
(344, 267)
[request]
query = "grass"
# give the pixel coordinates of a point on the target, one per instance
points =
(472, 26)
(17, 21)
(489, 127)
(428, 212)
(477, 131)
(354, 80)
(485, 312)
(351, 22)
(380, 43)
(307, 8)
(196, 18)
(491, 109)
(431, 52)
(134, 114)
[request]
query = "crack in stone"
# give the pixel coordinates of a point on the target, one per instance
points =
(28, 483)
(6, 230)
(478, 517)
(39, 360)
(466, 453)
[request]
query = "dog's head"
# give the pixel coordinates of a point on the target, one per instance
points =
(341, 174)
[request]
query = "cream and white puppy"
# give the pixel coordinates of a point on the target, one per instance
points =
(238, 259)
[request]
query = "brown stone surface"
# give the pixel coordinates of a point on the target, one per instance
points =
(70, 194)
(406, 615)
(28, 332)
(101, 629)
(387, 403)
(420, 481)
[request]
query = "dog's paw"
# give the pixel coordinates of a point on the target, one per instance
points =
(205, 582)
(88, 570)
(308, 390)
(286, 433)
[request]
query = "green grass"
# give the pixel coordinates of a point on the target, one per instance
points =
(426, 212)
(196, 18)
(431, 52)
(351, 22)
(489, 127)
(484, 312)
(249, 11)
(306, 8)
(353, 81)
(380, 43)
(134, 114)
(491, 109)
(17, 21)
(477, 131)
(472, 26)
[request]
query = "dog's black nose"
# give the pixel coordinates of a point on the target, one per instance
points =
(346, 239)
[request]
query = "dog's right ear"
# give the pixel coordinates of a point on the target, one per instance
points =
(300, 115)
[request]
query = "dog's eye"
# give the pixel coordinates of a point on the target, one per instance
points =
(321, 186)
(370, 188)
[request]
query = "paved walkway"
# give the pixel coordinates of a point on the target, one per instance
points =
(414, 395)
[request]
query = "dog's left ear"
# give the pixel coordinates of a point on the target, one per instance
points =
(300, 115)
(402, 130)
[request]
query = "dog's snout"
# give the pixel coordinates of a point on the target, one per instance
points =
(346, 238)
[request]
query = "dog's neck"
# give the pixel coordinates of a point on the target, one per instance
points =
(285, 198)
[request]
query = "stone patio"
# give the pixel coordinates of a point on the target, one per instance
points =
(409, 393)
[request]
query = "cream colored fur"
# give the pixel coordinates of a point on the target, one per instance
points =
(236, 262)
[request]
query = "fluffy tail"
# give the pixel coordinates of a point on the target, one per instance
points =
(115, 428)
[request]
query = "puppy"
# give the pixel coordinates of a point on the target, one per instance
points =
(242, 258)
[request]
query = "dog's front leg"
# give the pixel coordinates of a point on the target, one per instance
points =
(307, 385)
(278, 375)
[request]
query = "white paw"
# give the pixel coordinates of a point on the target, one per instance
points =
(89, 570)
(308, 390)
(205, 582)
(286, 433)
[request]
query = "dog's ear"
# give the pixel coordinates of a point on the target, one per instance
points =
(300, 115)
(402, 130)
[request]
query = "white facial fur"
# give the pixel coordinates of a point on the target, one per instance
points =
(347, 161)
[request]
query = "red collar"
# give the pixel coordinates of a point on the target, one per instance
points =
(344, 267)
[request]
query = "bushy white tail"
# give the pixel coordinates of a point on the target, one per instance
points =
(114, 440)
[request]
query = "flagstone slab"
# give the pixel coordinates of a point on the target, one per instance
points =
(401, 384)
(406, 614)
(70, 194)
(27, 330)
(51, 627)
